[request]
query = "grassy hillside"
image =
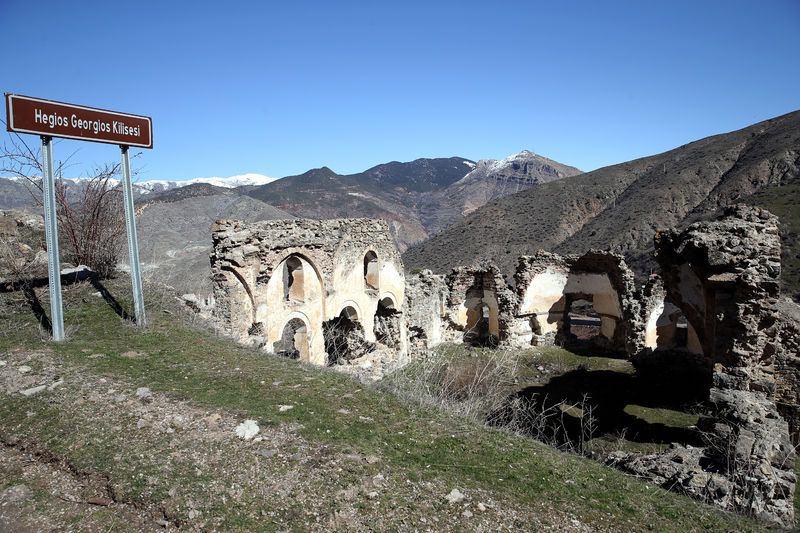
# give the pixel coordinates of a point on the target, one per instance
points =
(343, 456)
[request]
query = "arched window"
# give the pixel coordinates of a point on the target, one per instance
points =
(371, 271)
(294, 341)
(387, 323)
(293, 289)
(344, 337)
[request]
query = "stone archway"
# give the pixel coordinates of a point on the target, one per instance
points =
(387, 323)
(294, 341)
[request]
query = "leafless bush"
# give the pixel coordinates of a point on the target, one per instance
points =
(472, 386)
(568, 426)
(90, 217)
(15, 264)
(344, 340)
(482, 385)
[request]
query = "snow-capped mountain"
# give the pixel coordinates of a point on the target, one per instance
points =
(228, 183)
(495, 178)
(522, 167)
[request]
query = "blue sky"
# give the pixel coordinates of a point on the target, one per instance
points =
(281, 87)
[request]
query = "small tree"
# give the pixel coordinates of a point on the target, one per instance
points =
(90, 214)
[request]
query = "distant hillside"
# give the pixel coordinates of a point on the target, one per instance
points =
(620, 207)
(174, 230)
(418, 198)
(15, 194)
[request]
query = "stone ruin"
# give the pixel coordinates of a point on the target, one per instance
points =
(334, 292)
(304, 288)
(723, 277)
(582, 302)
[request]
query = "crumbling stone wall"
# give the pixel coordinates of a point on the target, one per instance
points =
(546, 283)
(425, 309)
(787, 366)
(724, 276)
(266, 274)
(666, 327)
(473, 292)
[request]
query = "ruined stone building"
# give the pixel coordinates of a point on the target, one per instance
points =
(282, 283)
(316, 290)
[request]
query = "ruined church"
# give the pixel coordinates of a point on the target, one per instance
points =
(335, 292)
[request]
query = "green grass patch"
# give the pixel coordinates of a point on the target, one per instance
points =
(668, 417)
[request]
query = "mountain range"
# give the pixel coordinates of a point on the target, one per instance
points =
(620, 207)
(417, 198)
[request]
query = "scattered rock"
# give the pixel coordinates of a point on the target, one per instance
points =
(141, 423)
(33, 390)
(2, 363)
(350, 493)
(284, 408)
(55, 384)
(247, 430)
(467, 514)
(144, 394)
(212, 421)
(177, 422)
(97, 355)
(15, 494)
(455, 496)
(132, 354)
(24, 369)
(372, 459)
(372, 495)
(481, 507)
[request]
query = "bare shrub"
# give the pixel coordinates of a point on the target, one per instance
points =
(482, 385)
(564, 425)
(471, 385)
(90, 214)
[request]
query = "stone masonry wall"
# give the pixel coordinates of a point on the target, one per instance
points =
(724, 276)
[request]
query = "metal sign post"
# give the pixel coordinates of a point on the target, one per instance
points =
(48, 119)
(133, 240)
(51, 238)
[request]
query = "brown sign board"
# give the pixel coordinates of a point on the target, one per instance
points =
(25, 114)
